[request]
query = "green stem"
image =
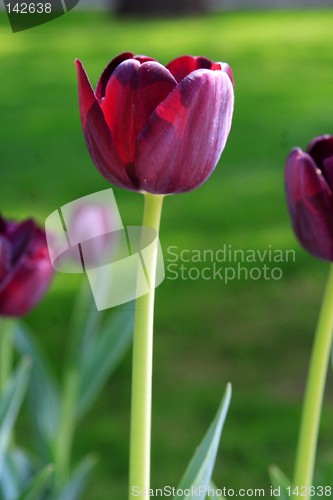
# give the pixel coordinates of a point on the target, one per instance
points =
(6, 351)
(142, 366)
(308, 437)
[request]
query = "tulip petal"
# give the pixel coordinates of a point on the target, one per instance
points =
(327, 170)
(186, 134)
(142, 58)
(183, 66)
(87, 98)
(105, 76)
(5, 257)
(133, 92)
(320, 149)
(27, 286)
(227, 69)
(98, 136)
(310, 204)
(19, 236)
(3, 225)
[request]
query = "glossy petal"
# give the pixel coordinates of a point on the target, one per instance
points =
(310, 205)
(186, 134)
(133, 92)
(98, 136)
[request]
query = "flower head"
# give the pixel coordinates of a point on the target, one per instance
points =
(309, 188)
(153, 128)
(25, 267)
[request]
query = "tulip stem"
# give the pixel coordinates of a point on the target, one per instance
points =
(308, 437)
(6, 351)
(140, 436)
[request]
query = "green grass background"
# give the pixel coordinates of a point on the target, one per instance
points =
(256, 334)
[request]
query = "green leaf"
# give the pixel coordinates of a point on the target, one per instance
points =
(10, 404)
(77, 480)
(43, 392)
(280, 482)
(108, 351)
(37, 484)
(199, 472)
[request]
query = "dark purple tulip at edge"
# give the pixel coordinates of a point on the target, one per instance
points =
(309, 190)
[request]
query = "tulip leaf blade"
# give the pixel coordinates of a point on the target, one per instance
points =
(108, 351)
(77, 480)
(10, 404)
(37, 484)
(43, 392)
(200, 469)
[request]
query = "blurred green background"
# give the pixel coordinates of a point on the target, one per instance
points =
(256, 334)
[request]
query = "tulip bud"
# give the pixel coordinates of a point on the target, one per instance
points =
(157, 129)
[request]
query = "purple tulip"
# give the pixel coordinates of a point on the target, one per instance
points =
(309, 186)
(25, 267)
(157, 129)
